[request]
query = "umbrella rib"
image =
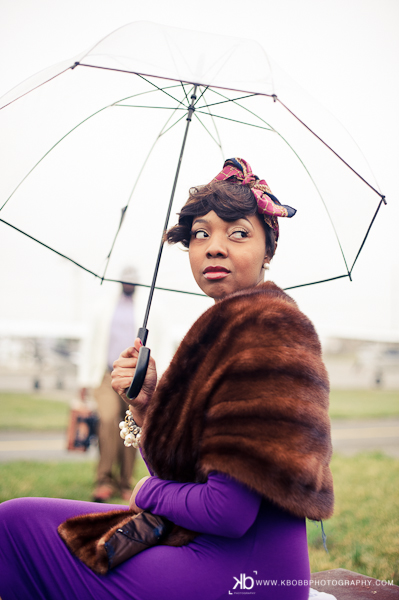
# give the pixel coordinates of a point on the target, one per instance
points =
(307, 171)
(131, 73)
(202, 94)
(184, 90)
(162, 90)
(37, 86)
(169, 87)
(135, 185)
(49, 247)
(92, 272)
(163, 77)
(207, 130)
(178, 120)
(48, 152)
(156, 287)
(368, 231)
(175, 123)
(69, 132)
(333, 151)
(234, 120)
(140, 284)
(214, 124)
(315, 282)
(229, 100)
(144, 106)
(143, 284)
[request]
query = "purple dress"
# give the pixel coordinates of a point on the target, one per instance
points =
(246, 545)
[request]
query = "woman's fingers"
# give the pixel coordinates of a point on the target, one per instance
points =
(125, 363)
(124, 371)
(122, 382)
(125, 368)
(132, 503)
(128, 358)
(127, 371)
(129, 352)
(137, 344)
(132, 350)
(119, 385)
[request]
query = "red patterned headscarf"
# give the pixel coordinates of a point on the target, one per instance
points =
(268, 205)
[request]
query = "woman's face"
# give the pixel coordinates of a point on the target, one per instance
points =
(226, 257)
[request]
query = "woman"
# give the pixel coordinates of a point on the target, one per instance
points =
(237, 433)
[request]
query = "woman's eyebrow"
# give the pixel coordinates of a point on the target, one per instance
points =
(232, 222)
(244, 219)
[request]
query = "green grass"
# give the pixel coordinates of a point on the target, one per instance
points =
(54, 480)
(363, 534)
(28, 412)
(364, 403)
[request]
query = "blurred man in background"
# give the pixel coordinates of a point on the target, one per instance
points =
(111, 330)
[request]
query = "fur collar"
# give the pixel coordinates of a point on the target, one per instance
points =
(246, 394)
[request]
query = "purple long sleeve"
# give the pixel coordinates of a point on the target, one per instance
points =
(221, 506)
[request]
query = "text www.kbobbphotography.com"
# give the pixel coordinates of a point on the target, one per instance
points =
(246, 584)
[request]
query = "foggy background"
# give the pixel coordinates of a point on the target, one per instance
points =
(344, 54)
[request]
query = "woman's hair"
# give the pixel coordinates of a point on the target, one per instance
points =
(230, 201)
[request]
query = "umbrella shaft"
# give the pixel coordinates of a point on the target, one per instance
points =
(190, 113)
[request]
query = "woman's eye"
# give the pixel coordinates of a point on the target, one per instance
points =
(239, 234)
(199, 234)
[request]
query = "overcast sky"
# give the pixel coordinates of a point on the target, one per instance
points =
(344, 53)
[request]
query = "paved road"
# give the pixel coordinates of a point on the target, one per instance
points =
(349, 437)
(40, 446)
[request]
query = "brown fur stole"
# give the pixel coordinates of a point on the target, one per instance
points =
(86, 536)
(246, 394)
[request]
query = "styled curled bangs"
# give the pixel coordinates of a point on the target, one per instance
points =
(230, 201)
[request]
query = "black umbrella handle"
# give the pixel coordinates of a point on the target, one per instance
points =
(141, 367)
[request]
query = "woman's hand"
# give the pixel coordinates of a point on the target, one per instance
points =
(122, 375)
(132, 503)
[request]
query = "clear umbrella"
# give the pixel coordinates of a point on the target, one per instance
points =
(104, 134)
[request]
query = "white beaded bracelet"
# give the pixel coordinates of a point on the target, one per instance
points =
(130, 431)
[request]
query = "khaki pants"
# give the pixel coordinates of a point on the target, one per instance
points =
(116, 461)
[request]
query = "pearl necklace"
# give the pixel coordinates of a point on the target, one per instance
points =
(130, 431)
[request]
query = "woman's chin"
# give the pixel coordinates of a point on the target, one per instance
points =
(216, 289)
(219, 290)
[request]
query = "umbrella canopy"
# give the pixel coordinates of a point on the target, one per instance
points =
(154, 50)
(103, 137)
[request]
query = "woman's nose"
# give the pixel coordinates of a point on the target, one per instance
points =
(217, 246)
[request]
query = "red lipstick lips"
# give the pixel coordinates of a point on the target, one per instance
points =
(216, 272)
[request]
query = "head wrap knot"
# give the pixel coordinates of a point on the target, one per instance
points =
(268, 205)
